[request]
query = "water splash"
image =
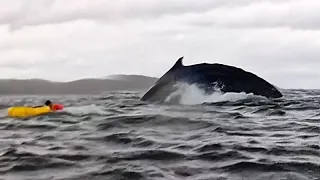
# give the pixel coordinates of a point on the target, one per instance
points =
(85, 109)
(191, 94)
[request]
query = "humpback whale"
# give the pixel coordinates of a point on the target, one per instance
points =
(210, 77)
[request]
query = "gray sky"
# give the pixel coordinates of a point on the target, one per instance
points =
(63, 40)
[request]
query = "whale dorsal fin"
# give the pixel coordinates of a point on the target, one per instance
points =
(178, 64)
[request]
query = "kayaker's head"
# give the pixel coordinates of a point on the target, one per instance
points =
(48, 103)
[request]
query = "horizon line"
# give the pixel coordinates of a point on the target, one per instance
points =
(86, 78)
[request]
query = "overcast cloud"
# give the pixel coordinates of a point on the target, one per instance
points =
(64, 40)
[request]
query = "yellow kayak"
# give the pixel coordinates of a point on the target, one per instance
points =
(25, 111)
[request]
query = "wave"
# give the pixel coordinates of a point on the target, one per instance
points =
(204, 136)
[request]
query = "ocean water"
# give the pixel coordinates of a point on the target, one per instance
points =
(204, 137)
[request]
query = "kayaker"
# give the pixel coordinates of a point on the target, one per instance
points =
(47, 103)
(53, 107)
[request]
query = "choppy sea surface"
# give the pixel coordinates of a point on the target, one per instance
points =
(116, 136)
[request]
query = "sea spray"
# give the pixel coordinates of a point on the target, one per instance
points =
(191, 94)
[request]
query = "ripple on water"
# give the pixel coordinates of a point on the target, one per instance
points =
(115, 136)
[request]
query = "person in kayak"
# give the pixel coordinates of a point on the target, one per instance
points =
(53, 107)
(47, 103)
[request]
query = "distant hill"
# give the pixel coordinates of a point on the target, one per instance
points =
(82, 86)
(123, 77)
